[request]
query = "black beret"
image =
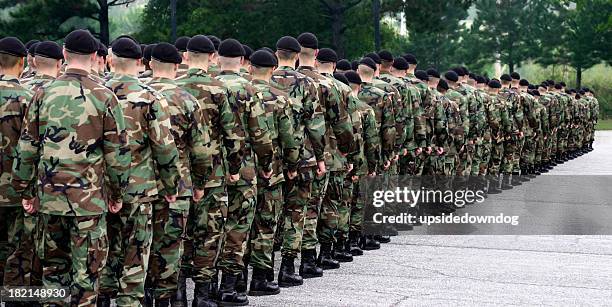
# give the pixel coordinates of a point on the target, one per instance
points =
(421, 75)
(142, 47)
(400, 63)
(102, 50)
(80, 42)
(550, 82)
(216, 41)
(374, 57)
(32, 48)
(13, 46)
(586, 89)
(247, 51)
(200, 44)
(342, 78)
(536, 93)
(572, 90)
(288, 43)
(353, 77)
(30, 42)
(515, 76)
(558, 86)
(472, 76)
(385, 55)
(432, 72)
(343, 65)
(126, 36)
(494, 84)
(442, 84)
(451, 76)
(543, 85)
(531, 87)
(146, 54)
(181, 43)
(562, 84)
(523, 82)
(367, 61)
(327, 55)
(126, 48)
(354, 65)
(308, 40)
(506, 77)
(410, 58)
(465, 70)
(458, 70)
(231, 48)
(263, 58)
(166, 53)
(49, 49)
(480, 80)
(267, 49)
(581, 92)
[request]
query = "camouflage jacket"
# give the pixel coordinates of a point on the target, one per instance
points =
(419, 134)
(463, 102)
(280, 124)
(73, 138)
(14, 99)
(404, 114)
(529, 115)
(512, 100)
(226, 136)
(182, 70)
(150, 142)
(475, 111)
(397, 107)
(191, 137)
(255, 150)
(381, 103)
(369, 142)
(454, 124)
(38, 81)
(338, 130)
(308, 117)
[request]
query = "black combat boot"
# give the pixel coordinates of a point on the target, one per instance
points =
(200, 296)
(104, 300)
(493, 185)
(368, 243)
(308, 267)
(228, 296)
(516, 181)
(325, 260)
(340, 252)
(162, 302)
(260, 286)
(535, 170)
(382, 239)
(213, 291)
(354, 243)
(179, 299)
(286, 274)
(241, 283)
(148, 297)
(505, 182)
(270, 272)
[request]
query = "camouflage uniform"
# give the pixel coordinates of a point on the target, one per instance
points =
(269, 191)
(477, 128)
(153, 149)
(497, 119)
(530, 122)
(256, 154)
(487, 136)
(409, 164)
(83, 143)
(309, 127)
(512, 142)
(455, 141)
(16, 242)
(169, 220)
(464, 153)
(38, 81)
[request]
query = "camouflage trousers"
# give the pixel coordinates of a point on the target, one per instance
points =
(240, 214)
(507, 164)
(497, 155)
(528, 153)
(297, 194)
(17, 250)
(268, 211)
(130, 233)
(562, 140)
(344, 209)
(518, 154)
(553, 142)
(169, 222)
(464, 165)
(313, 211)
(485, 157)
(206, 228)
(328, 216)
(357, 209)
(73, 252)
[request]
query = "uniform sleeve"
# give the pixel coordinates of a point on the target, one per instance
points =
(201, 165)
(165, 153)
(259, 132)
(286, 135)
(388, 131)
(314, 121)
(233, 133)
(336, 114)
(27, 152)
(371, 140)
(116, 151)
(420, 125)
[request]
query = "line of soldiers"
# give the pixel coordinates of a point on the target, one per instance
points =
(127, 170)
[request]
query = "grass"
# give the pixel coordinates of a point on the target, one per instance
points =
(604, 124)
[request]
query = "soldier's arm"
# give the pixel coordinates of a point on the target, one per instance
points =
(420, 125)
(314, 121)
(371, 140)
(464, 106)
(338, 117)
(387, 127)
(519, 116)
(117, 155)
(259, 133)
(400, 114)
(198, 139)
(286, 135)
(164, 150)
(233, 134)
(27, 152)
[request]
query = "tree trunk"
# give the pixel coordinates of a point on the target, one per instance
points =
(376, 19)
(173, 20)
(103, 15)
(337, 24)
(578, 77)
(511, 66)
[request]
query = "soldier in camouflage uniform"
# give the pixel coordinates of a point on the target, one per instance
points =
(181, 45)
(256, 154)
(498, 120)
(153, 152)
(309, 124)
(509, 96)
(84, 133)
(270, 193)
(530, 123)
(542, 130)
(16, 241)
(48, 58)
(464, 102)
(213, 67)
(485, 146)
(191, 138)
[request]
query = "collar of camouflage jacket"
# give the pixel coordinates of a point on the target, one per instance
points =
(76, 71)
(9, 78)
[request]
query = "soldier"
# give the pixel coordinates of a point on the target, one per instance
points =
(270, 192)
(16, 243)
(48, 60)
(84, 143)
(309, 124)
(463, 101)
(455, 141)
(191, 137)
(153, 152)
(205, 224)
(181, 45)
(485, 147)
(256, 155)
(509, 96)
(530, 123)
(321, 221)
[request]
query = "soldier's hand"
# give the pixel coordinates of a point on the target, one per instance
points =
(266, 175)
(321, 169)
(234, 178)
(395, 158)
(418, 151)
(115, 206)
(349, 167)
(428, 151)
(292, 175)
(355, 178)
(386, 165)
(372, 174)
(440, 151)
(170, 198)
(29, 205)
(405, 152)
(198, 195)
